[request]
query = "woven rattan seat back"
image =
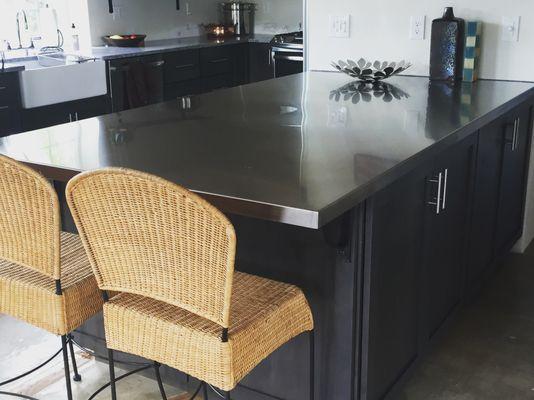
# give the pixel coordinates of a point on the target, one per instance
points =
(30, 219)
(147, 236)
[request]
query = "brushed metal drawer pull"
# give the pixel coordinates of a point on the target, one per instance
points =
(3, 108)
(3, 87)
(445, 188)
(437, 203)
(184, 66)
(219, 60)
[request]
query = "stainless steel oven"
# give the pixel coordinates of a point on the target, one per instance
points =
(287, 54)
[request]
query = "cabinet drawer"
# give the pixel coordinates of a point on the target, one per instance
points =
(10, 120)
(9, 89)
(216, 60)
(181, 66)
(179, 89)
(217, 82)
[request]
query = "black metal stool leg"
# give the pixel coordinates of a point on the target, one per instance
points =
(76, 377)
(112, 375)
(160, 383)
(205, 391)
(312, 364)
(64, 340)
(227, 396)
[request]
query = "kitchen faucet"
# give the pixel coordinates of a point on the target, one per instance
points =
(26, 27)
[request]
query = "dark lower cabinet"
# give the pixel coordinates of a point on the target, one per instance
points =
(448, 206)
(497, 218)
(261, 65)
(413, 263)
(10, 108)
(42, 117)
(514, 160)
(396, 220)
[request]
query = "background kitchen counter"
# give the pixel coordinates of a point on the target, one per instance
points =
(170, 45)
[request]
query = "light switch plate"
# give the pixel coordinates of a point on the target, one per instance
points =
(510, 29)
(339, 26)
(417, 27)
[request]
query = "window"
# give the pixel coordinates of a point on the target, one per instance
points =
(44, 18)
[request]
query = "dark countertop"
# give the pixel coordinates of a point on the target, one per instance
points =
(285, 150)
(168, 45)
(151, 47)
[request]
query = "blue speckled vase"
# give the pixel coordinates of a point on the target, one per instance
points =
(447, 48)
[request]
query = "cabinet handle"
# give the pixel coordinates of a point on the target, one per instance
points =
(3, 88)
(445, 188)
(70, 117)
(184, 66)
(76, 116)
(219, 60)
(157, 63)
(515, 144)
(437, 203)
(3, 108)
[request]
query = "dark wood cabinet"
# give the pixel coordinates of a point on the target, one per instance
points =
(392, 300)
(514, 160)
(413, 266)
(190, 72)
(486, 200)
(497, 217)
(10, 107)
(261, 66)
(449, 194)
(42, 117)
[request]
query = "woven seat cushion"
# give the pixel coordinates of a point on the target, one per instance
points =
(264, 315)
(31, 296)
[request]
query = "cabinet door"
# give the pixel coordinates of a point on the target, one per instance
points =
(449, 195)
(92, 107)
(513, 174)
(390, 341)
(485, 199)
(42, 117)
(10, 116)
(261, 65)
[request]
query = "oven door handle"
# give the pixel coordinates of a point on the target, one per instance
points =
(284, 57)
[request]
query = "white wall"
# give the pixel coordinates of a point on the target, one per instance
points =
(276, 16)
(159, 19)
(380, 30)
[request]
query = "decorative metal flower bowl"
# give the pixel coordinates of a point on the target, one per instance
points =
(371, 72)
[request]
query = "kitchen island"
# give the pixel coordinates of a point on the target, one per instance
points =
(388, 205)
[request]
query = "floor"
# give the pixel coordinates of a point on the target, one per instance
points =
(487, 355)
(23, 347)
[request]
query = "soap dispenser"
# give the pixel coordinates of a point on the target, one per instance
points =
(447, 47)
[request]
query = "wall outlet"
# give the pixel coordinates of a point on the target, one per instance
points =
(417, 27)
(510, 29)
(339, 26)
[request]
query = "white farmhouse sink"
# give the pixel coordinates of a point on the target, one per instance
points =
(60, 81)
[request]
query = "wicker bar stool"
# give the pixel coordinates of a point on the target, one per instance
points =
(171, 256)
(45, 276)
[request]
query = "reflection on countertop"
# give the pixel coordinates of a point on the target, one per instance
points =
(285, 144)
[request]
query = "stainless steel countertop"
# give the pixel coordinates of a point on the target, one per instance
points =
(290, 150)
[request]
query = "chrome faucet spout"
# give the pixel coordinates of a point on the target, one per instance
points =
(26, 26)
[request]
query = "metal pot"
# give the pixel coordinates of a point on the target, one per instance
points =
(241, 15)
